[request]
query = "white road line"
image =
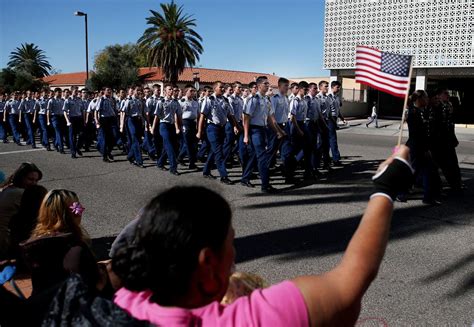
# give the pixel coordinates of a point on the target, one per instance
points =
(21, 151)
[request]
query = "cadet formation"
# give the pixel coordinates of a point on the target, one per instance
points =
(262, 131)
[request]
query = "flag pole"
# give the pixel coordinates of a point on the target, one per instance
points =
(405, 103)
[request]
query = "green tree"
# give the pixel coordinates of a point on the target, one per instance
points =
(116, 66)
(171, 41)
(19, 80)
(31, 59)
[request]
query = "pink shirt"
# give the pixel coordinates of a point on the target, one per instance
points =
(276, 306)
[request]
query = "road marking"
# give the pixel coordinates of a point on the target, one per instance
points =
(21, 151)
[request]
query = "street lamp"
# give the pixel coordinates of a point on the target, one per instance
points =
(80, 13)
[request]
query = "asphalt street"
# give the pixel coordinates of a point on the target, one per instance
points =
(427, 275)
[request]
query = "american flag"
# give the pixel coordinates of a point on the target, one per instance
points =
(384, 71)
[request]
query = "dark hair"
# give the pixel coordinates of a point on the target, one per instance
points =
(27, 217)
(415, 96)
(322, 82)
(261, 79)
(207, 88)
(283, 80)
(303, 85)
(312, 84)
(294, 84)
(57, 89)
(236, 83)
(335, 83)
(17, 177)
(168, 238)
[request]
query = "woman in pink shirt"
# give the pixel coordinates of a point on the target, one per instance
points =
(176, 270)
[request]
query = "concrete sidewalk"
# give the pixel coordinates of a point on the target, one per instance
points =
(391, 128)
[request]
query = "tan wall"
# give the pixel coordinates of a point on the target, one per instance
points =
(347, 83)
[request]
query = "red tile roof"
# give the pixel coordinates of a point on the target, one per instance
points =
(206, 75)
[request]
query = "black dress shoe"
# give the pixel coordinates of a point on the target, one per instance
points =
(337, 163)
(247, 184)
(105, 159)
(111, 158)
(62, 151)
(139, 165)
(73, 156)
(193, 167)
(209, 176)
(269, 189)
(19, 143)
(162, 168)
(79, 152)
(34, 146)
(5, 141)
(226, 180)
(48, 148)
(174, 172)
(291, 180)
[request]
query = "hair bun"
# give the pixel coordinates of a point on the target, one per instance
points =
(131, 264)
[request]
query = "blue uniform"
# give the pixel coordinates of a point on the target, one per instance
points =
(134, 117)
(299, 110)
(55, 109)
(12, 109)
(149, 139)
(41, 107)
(237, 104)
(281, 111)
(107, 119)
(324, 104)
(312, 134)
(74, 107)
(166, 110)
(258, 108)
(216, 109)
(27, 108)
(190, 112)
(3, 129)
(334, 110)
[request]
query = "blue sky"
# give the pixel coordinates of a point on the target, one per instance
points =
(271, 36)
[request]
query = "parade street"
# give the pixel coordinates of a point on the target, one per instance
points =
(426, 277)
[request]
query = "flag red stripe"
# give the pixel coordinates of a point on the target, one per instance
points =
(381, 78)
(398, 95)
(372, 70)
(375, 81)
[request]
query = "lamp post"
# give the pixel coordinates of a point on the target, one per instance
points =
(80, 13)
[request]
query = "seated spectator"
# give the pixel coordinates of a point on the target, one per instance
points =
(23, 223)
(176, 270)
(59, 245)
(11, 192)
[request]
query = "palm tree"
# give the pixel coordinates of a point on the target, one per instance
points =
(31, 59)
(171, 42)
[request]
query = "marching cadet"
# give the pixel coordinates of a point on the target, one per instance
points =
(91, 129)
(312, 131)
(74, 113)
(237, 105)
(3, 125)
(41, 107)
(294, 89)
(132, 115)
(13, 113)
(105, 118)
(298, 113)
(258, 115)
(190, 111)
(168, 116)
(55, 117)
(281, 111)
(444, 143)
(334, 114)
(216, 110)
(27, 110)
(205, 146)
(324, 126)
(150, 105)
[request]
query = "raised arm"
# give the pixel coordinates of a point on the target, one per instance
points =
(334, 298)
